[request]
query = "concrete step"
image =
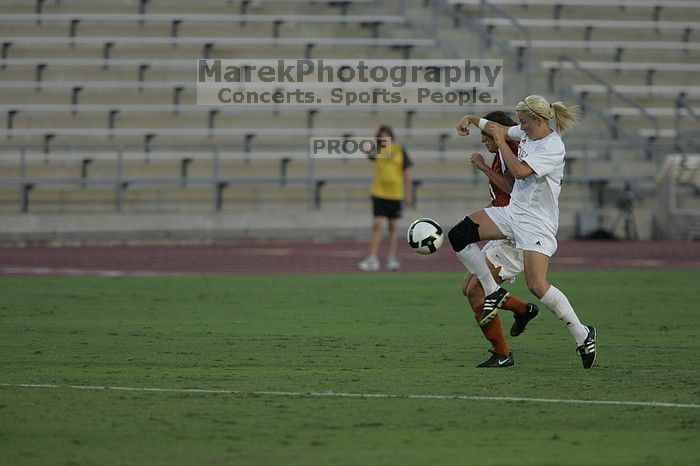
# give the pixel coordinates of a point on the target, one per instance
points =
(184, 7)
(577, 11)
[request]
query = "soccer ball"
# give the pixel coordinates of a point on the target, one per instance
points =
(425, 236)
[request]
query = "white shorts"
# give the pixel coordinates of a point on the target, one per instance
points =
(504, 254)
(526, 236)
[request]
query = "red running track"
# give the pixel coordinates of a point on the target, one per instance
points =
(308, 257)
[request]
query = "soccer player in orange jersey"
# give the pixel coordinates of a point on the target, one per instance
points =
(503, 259)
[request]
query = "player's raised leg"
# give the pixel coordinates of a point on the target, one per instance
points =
(536, 265)
(523, 313)
(463, 238)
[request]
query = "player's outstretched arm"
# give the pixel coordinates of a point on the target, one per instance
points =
(463, 126)
(464, 122)
(492, 129)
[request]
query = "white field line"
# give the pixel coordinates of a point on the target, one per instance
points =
(651, 404)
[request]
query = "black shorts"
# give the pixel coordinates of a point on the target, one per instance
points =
(388, 208)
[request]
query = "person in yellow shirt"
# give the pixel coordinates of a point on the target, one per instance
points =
(392, 186)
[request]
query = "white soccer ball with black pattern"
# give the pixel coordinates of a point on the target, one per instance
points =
(425, 236)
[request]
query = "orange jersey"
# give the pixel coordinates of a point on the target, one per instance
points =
(499, 197)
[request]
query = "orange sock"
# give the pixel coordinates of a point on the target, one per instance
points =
(514, 304)
(493, 333)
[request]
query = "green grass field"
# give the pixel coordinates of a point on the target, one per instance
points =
(403, 334)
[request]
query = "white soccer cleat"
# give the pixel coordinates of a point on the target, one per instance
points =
(370, 264)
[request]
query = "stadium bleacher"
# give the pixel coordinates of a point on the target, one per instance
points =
(99, 103)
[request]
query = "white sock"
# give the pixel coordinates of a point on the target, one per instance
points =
(474, 261)
(558, 303)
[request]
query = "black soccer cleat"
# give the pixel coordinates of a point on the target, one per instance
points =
(491, 304)
(498, 360)
(588, 349)
(521, 320)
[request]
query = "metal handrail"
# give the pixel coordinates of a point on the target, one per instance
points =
(477, 27)
(523, 62)
(487, 39)
(513, 21)
(616, 129)
(610, 89)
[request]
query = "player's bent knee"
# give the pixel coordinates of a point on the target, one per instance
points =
(463, 234)
(538, 289)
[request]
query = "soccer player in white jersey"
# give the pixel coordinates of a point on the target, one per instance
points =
(532, 217)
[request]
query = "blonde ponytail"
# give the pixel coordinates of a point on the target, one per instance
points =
(564, 117)
(537, 106)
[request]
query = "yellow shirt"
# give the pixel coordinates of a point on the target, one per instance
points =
(388, 182)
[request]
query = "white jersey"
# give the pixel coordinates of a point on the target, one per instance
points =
(535, 199)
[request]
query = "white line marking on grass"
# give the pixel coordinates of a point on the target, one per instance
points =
(209, 391)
